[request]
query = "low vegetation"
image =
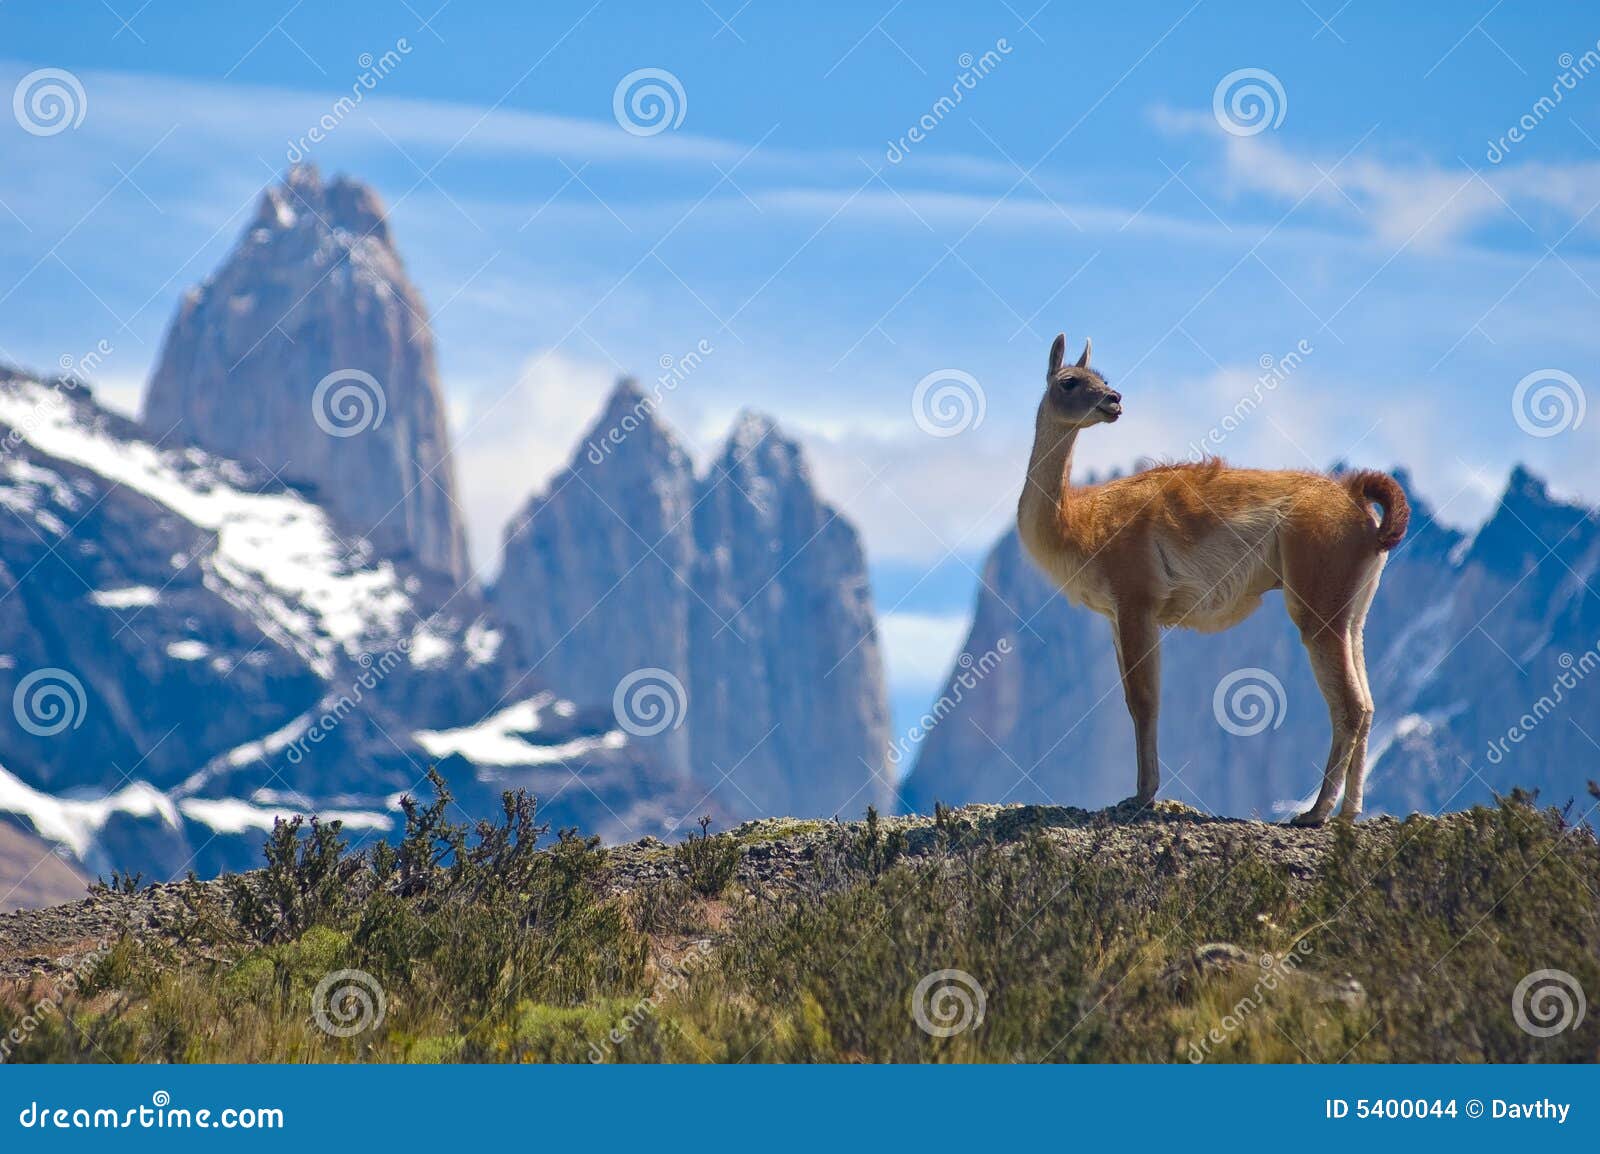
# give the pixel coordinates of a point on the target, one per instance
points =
(471, 944)
(708, 861)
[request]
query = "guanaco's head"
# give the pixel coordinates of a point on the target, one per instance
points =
(1077, 395)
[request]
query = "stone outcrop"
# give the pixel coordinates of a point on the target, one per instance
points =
(309, 353)
(742, 585)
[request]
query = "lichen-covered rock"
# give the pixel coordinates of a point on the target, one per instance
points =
(786, 856)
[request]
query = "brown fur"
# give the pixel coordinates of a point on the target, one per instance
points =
(1197, 546)
(1385, 492)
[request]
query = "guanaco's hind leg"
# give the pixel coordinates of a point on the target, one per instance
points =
(1138, 639)
(1355, 773)
(1333, 662)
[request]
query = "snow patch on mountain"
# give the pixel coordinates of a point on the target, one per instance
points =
(128, 597)
(232, 816)
(75, 823)
(502, 739)
(277, 557)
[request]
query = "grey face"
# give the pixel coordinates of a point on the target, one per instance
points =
(1083, 397)
(1077, 393)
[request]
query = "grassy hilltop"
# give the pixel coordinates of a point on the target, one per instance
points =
(982, 934)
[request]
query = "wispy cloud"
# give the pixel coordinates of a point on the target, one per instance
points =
(544, 290)
(1425, 204)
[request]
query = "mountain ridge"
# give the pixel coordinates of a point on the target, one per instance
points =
(226, 652)
(249, 643)
(738, 586)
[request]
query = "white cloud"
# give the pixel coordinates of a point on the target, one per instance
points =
(915, 497)
(511, 440)
(920, 208)
(1425, 204)
(918, 498)
(122, 394)
(131, 106)
(920, 648)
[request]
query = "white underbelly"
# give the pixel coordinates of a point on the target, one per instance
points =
(1207, 588)
(1218, 588)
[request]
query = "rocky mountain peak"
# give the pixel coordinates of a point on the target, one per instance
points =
(741, 584)
(750, 429)
(629, 428)
(309, 352)
(758, 471)
(302, 200)
(756, 445)
(1529, 525)
(596, 566)
(625, 395)
(1525, 487)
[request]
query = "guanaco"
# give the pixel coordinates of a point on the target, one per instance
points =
(1197, 545)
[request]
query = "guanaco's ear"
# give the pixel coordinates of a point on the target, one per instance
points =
(1083, 361)
(1058, 353)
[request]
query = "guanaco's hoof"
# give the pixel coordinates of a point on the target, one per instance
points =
(1308, 819)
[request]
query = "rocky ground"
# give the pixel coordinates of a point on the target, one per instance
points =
(778, 855)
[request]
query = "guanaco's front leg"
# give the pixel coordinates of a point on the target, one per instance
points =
(1138, 640)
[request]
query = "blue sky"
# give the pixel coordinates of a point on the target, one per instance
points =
(1084, 182)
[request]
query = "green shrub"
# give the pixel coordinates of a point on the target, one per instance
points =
(667, 907)
(709, 863)
(1405, 944)
(304, 883)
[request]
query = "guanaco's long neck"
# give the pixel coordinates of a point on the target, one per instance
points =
(1043, 511)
